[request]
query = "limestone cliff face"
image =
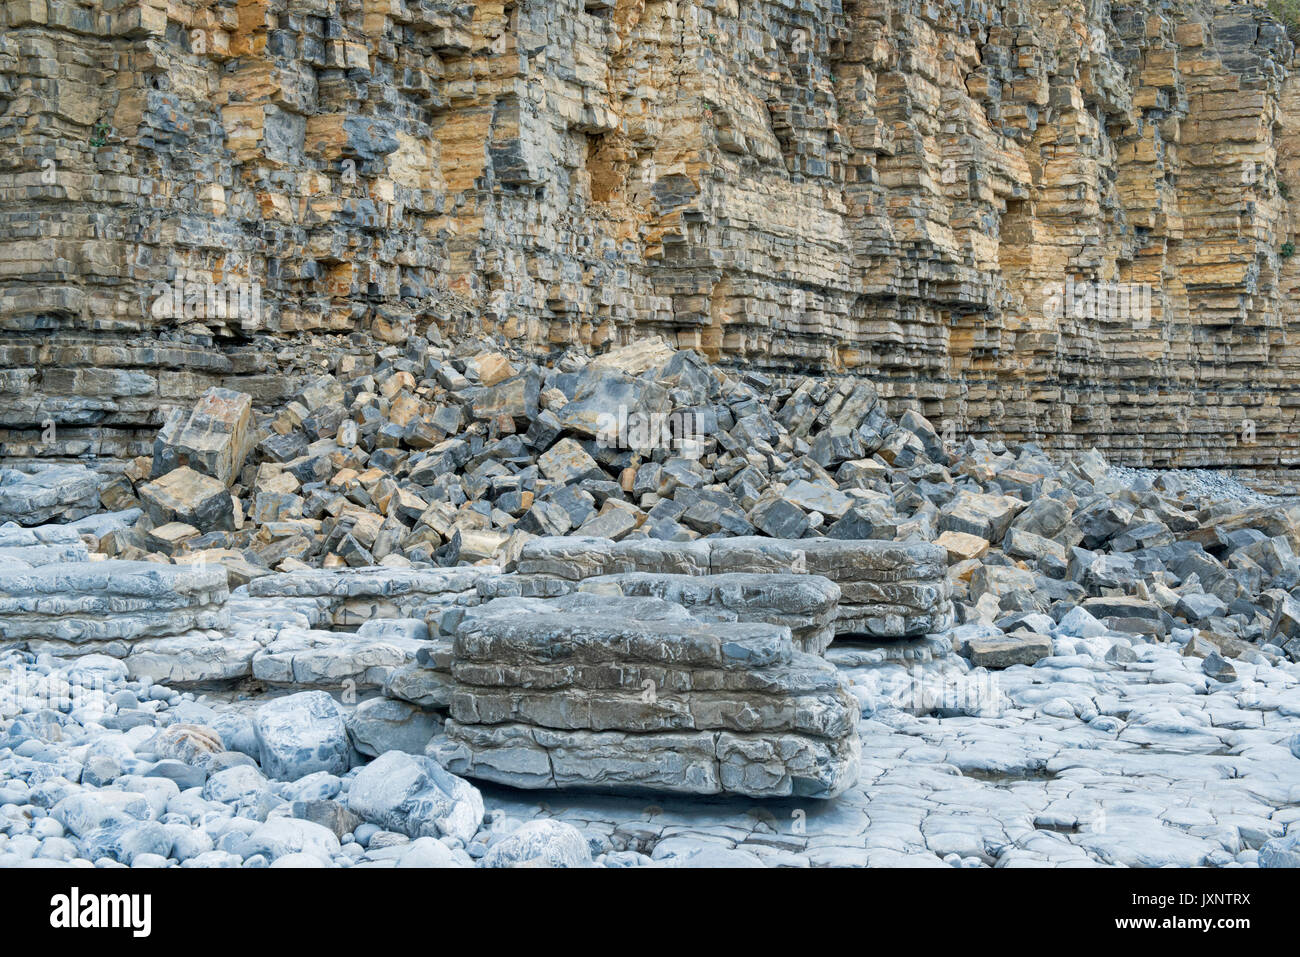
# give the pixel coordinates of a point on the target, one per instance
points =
(1048, 219)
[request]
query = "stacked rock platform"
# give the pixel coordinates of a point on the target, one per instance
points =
(594, 692)
(887, 589)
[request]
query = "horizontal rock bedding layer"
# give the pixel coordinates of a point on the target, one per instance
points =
(806, 604)
(350, 597)
(65, 493)
(681, 762)
(888, 589)
(1054, 222)
(78, 602)
(582, 690)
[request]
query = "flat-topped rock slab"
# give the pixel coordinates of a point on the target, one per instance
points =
(352, 596)
(888, 589)
(63, 492)
(615, 692)
(806, 604)
(110, 600)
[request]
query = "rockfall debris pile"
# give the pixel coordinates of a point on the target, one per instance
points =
(433, 457)
(630, 573)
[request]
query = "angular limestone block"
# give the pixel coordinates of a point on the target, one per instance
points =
(187, 496)
(60, 492)
(212, 438)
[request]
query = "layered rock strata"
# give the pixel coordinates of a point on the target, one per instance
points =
(165, 621)
(38, 497)
(108, 601)
(806, 604)
(351, 597)
(312, 658)
(602, 693)
(1053, 220)
(42, 545)
(887, 589)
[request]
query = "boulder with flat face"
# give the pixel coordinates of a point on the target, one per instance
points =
(412, 795)
(301, 734)
(184, 495)
(1133, 615)
(49, 493)
(607, 405)
(213, 438)
(985, 516)
(541, 844)
(1003, 651)
(383, 724)
(515, 398)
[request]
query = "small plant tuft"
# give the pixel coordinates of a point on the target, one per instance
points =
(1287, 13)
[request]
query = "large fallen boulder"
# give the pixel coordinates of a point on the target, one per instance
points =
(301, 734)
(541, 844)
(609, 693)
(190, 497)
(383, 724)
(62, 492)
(414, 796)
(212, 438)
